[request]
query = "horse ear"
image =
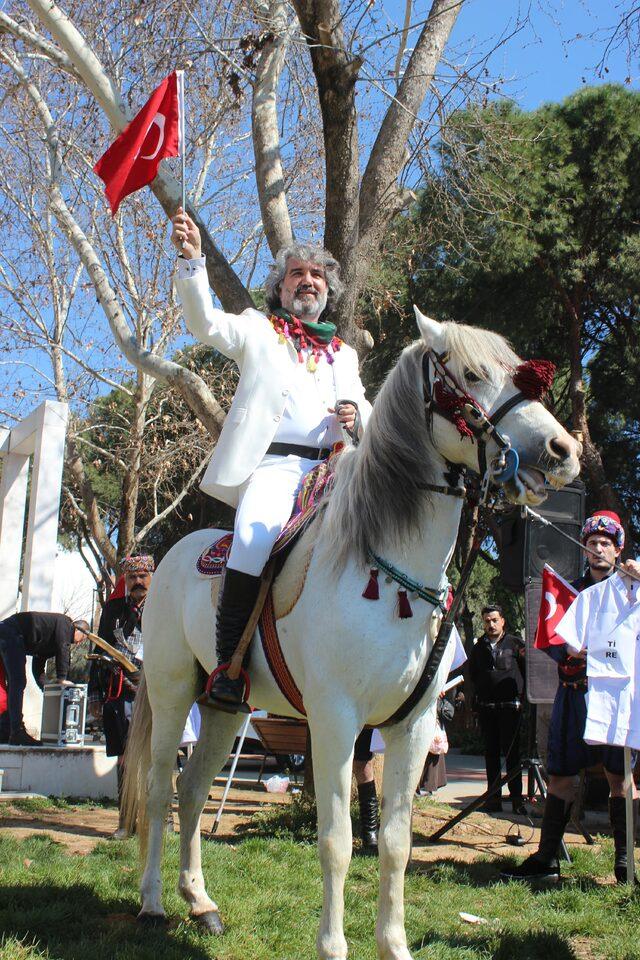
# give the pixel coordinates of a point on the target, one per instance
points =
(430, 330)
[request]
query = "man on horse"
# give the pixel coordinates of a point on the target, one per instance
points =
(299, 389)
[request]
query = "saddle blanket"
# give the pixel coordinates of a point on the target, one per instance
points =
(315, 485)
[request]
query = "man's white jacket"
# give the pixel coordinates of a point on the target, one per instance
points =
(266, 374)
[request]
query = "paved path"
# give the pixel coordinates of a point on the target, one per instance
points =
(466, 779)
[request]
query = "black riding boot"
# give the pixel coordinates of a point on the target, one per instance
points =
(544, 865)
(20, 738)
(368, 803)
(618, 818)
(239, 595)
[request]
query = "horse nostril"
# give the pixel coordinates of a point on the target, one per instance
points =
(559, 448)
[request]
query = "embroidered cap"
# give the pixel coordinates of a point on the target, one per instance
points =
(606, 522)
(139, 564)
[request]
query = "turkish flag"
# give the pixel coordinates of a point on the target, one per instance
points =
(557, 597)
(132, 161)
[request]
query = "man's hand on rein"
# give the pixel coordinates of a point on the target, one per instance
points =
(346, 414)
(185, 235)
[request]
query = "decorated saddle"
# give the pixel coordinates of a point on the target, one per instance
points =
(315, 486)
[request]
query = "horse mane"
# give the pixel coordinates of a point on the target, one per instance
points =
(379, 495)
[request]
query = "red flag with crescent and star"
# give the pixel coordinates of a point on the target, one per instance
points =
(132, 161)
(557, 597)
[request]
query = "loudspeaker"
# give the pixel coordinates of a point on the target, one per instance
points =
(525, 544)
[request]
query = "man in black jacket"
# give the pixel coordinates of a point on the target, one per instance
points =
(111, 692)
(41, 636)
(495, 667)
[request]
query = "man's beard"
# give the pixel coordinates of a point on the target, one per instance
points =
(309, 307)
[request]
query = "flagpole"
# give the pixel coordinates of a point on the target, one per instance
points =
(180, 77)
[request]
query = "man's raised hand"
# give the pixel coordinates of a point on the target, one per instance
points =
(185, 235)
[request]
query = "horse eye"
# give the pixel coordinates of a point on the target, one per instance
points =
(471, 377)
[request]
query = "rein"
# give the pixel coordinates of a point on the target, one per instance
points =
(437, 651)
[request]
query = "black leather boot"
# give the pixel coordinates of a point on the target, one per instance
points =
(236, 603)
(618, 818)
(368, 803)
(5, 727)
(544, 866)
(20, 738)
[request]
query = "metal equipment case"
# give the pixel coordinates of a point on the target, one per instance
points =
(64, 712)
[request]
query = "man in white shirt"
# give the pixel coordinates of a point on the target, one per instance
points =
(571, 749)
(299, 389)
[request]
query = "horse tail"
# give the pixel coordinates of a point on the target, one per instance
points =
(137, 762)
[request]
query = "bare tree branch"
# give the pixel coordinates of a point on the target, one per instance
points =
(188, 384)
(33, 39)
(159, 517)
(266, 135)
(228, 287)
(378, 194)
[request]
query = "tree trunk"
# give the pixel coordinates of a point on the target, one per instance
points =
(89, 501)
(336, 73)
(266, 135)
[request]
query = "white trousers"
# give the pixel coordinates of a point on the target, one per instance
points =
(266, 501)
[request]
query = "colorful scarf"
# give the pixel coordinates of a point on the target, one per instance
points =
(316, 339)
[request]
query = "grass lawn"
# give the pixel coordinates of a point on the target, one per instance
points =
(67, 907)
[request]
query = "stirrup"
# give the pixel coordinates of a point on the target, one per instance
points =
(227, 706)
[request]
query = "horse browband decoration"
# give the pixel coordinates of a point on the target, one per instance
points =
(532, 378)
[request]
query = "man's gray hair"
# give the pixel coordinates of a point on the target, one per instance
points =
(311, 254)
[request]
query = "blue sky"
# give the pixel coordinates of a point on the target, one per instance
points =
(556, 51)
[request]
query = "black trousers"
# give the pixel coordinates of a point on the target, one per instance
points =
(14, 659)
(500, 726)
(362, 748)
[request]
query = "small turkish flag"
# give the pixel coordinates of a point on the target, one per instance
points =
(132, 161)
(557, 597)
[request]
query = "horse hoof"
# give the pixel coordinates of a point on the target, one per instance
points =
(153, 919)
(210, 921)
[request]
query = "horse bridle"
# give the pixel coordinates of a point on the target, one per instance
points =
(502, 468)
(483, 426)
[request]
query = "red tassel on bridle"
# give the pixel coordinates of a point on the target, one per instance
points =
(404, 607)
(452, 404)
(372, 590)
(534, 378)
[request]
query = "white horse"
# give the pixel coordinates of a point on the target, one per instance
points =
(353, 659)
